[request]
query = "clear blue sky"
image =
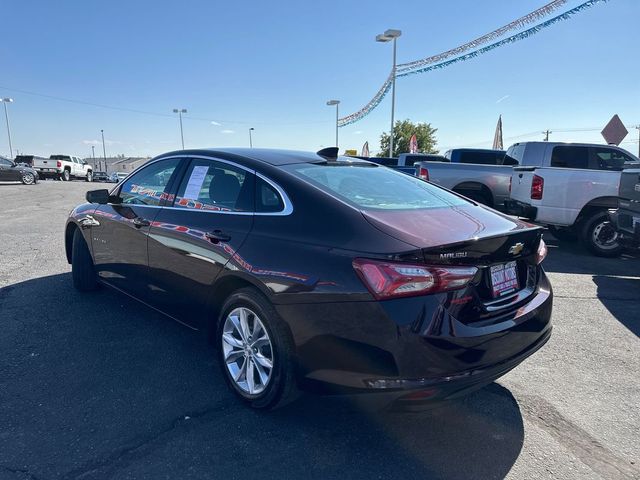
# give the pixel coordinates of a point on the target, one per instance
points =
(273, 65)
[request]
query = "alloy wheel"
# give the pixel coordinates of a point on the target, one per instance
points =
(28, 178)
(248, 351)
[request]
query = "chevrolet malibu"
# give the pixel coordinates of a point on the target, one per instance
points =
(309, 271)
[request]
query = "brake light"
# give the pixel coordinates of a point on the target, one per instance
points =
(387, 280)
(423, 173)
(541, 254)
(537, 187)
(58, 163)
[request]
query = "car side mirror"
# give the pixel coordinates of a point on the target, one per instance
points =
(101, 196)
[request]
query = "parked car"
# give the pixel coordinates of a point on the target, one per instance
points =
(27, 160)
(63, 167)
(626, 218)
(100, 177)
(10, 172)
(117, 177)
(478, 156)
(317, 272)
(570, 187)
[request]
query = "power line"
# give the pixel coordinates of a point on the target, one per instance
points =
(146, 112)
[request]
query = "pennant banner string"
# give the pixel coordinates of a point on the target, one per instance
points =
(426, 65)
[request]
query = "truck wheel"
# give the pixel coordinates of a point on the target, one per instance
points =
(66, 176)
(600, 236)
(82, 270)
(89, 176)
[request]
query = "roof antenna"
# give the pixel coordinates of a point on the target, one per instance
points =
(330, 153)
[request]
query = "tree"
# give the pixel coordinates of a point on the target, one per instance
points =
(402, 132)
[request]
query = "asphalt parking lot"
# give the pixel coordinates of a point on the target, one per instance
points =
(98, 386)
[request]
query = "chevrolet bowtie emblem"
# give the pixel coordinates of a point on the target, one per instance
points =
(516, 249)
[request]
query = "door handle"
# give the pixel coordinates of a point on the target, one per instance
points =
(217, 236)
(140, 222)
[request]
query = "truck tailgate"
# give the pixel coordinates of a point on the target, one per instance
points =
(521, 179)
(44, 163)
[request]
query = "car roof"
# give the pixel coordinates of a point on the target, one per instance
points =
(276, 157)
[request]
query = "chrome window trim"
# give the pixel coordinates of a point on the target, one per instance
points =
(288, 206)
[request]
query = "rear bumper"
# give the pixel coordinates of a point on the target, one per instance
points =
(627, 223)
(378, 353)
(520, 209)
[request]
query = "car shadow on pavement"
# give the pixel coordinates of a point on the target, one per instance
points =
(97, 385)
(621, 296)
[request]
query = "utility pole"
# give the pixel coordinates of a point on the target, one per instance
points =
(6, 116)
(104, 151)
(391, 35)
(180, 111)
(546, 134)
(637, 127)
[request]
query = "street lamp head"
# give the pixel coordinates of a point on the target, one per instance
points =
(7, 100)
(392, 33)
(179, 110)
(251, 128)
(333, 102)
(388, 35)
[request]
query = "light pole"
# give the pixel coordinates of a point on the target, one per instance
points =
(387, 36)
(93, 155)
(6, 116)
(250, 139)
(180, 111)
(104, 151)
(336, 103)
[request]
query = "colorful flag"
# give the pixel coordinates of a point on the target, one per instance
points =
(413, 144)
(497, 138)
(365, 150)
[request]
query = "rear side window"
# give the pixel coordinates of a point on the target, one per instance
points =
(268, 200)
(481, 158)
(568, 156)
(147, 187)
(371, 187)
(215, 186)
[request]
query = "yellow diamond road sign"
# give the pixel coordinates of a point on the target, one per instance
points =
(615, 131)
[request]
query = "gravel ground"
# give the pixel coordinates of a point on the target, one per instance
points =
(98, 386)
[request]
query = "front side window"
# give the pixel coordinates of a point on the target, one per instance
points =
(372, 187)
(610, 159)
(569, 156)
(147, 187)
(215, 186)
(5, 162)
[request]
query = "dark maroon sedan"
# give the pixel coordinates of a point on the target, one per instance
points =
(313, 272)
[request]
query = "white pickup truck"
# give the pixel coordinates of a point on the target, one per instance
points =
(570, 187)
(63, 167)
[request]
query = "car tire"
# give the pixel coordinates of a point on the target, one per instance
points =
(238, 353)
(28, 178)
(600, 237)
(82, 269)
(89, 176)
(65, 176)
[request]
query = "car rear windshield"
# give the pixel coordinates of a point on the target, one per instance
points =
(367, 186)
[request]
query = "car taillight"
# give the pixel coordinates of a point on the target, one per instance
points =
(58, 163)
(391, 280)
(541, 254)
(423, 173)
(537, 187)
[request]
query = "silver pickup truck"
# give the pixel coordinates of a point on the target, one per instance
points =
(486, 184)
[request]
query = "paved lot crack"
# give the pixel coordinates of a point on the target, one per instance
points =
(586, 448)
(137, 448)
